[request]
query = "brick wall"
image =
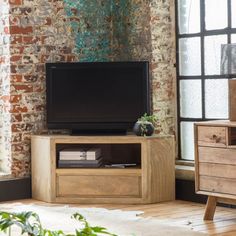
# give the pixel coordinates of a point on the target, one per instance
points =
(5, 147)
(57, 30)
(39, 32)
(163, 72)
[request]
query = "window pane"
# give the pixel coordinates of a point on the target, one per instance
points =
(233, 38)
(189, 16)
(216, 98)
(189, 56)
(233, 14)
(190, 99)
(216, 14)
(187, 140)
(213, 53)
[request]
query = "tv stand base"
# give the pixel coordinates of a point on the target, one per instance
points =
(151, 180)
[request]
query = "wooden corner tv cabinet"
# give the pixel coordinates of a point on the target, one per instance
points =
(151, 180)
(215, 163)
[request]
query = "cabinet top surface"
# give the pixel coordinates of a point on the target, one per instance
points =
(105, 137)
(226, 123)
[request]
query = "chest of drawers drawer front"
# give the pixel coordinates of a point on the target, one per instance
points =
(217, 155)
(211, 136)
(217, 170)
(217, 185)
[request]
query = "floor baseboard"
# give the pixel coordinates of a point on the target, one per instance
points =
(185, 190)
(15, 189)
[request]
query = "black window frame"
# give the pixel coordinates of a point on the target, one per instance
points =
(202, 34)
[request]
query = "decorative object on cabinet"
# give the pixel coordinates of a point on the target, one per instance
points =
(145, 125)
(228, 69)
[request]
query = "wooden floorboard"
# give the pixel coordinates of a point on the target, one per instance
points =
(179, 213)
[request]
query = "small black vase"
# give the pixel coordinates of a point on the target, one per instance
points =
(143, 128)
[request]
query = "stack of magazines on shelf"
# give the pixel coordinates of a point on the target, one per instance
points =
(76, 158)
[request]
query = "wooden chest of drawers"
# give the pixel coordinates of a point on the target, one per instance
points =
(215, 162)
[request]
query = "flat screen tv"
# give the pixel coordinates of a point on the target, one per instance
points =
(96, 97)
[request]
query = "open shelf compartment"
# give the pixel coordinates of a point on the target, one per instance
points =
(115, 155)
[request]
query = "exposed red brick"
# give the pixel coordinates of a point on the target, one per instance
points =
(16, 58)
(17, 108)
(21, 127)
(13, 68)
(15, 2)
(70, 58)
(15, 98)
(16, 39)
(31, 39)
(20, 30)
(16, 78)
(22, 88)
(16, 118)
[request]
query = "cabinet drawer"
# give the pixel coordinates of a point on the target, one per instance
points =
(217, 185)
(217, 170)
(217, 155)
(98, 186)
(211, 136)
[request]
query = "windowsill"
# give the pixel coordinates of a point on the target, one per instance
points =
(5, 176)
(184, 170)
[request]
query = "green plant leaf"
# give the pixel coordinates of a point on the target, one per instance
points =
(98, 229)
(148, 118)
(29, 222)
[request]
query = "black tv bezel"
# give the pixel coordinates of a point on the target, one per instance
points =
(96, 127)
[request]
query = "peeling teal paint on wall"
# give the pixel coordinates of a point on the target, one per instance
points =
(100, 28)
(122, 11)
(91, 28)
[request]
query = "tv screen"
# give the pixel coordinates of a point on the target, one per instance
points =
(96, 96)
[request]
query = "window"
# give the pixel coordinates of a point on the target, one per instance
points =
(202, 26)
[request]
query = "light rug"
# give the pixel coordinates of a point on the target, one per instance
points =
(122, 223)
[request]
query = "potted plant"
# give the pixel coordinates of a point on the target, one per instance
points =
(30, 225)
(145, 125)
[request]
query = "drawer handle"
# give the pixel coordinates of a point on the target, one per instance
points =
(217, 139)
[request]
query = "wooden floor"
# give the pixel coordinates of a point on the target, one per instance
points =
(180, 213)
